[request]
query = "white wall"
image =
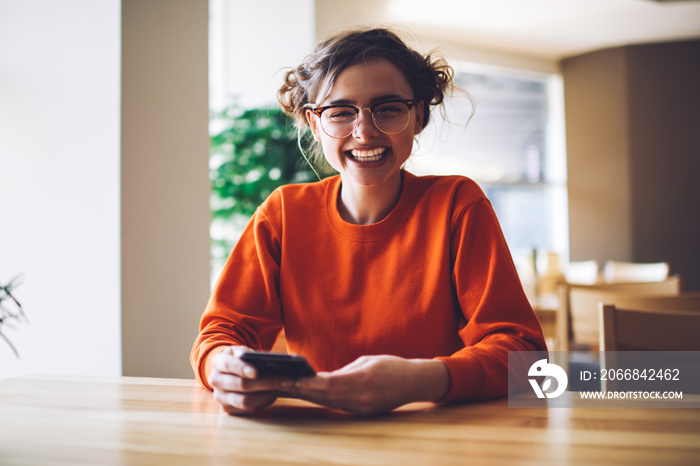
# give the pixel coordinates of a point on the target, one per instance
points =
(59, 183)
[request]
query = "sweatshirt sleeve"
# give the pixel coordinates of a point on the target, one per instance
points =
(244, 307)
(497, 317)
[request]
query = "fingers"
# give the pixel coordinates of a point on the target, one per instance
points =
(368, 386)
(235, 383)
(243, 403)
(336, 390)
(236, 386)
(230, 373)
(229, 362)
(358, 402)
(324, 382)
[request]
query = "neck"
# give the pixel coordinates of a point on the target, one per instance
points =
(365, 205)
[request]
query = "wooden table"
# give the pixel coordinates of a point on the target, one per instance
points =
(66, 420)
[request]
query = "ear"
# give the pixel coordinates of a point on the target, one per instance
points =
(420, 106)
(312, 120)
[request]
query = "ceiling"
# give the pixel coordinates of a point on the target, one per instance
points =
(545, 29)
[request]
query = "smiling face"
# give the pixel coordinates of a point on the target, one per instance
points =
(367, 157)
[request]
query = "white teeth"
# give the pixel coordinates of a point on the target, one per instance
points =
(368, 155)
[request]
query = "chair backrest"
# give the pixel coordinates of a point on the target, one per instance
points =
(638, 330)
(577, 322)
(616, 272)
(688, 302)
(672, 335)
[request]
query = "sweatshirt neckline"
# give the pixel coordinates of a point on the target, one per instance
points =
(381, 229)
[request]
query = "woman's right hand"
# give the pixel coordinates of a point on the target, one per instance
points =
(236, 386)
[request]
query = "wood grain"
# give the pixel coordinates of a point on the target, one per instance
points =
(68, 420)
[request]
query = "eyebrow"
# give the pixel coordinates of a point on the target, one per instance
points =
(374, 100)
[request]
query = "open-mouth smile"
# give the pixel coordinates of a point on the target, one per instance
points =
(371, 155)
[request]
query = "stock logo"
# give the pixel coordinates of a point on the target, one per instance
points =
(550, 371)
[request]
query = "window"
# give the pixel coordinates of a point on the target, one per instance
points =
(247, 56)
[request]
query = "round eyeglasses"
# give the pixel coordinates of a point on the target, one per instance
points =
(389, 116)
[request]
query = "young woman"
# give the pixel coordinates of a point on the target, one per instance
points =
(396, 288)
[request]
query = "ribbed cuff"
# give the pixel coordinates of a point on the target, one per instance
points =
(466, 378)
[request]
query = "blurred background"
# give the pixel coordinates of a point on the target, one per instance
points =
(118, 121)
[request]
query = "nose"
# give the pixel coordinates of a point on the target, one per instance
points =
(364, 125)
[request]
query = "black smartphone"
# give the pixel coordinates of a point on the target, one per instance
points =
(278, 364)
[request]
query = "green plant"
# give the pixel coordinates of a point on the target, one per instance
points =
(255, 152)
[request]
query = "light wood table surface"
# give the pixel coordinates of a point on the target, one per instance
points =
(68, 420)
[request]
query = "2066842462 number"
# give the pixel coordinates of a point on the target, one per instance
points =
(637, 374)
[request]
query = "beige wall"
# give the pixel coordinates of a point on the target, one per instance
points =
(633, 144)
(598, 165)
(164, 183)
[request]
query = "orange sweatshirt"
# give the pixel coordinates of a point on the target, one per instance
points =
(434, 279)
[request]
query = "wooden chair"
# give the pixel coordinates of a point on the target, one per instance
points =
(688, 302)
(577, 319)
(672, 335)
(645, 330)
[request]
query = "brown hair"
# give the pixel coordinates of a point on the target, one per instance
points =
(430, 77)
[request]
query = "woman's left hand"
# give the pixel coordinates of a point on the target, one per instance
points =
(375, 384)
